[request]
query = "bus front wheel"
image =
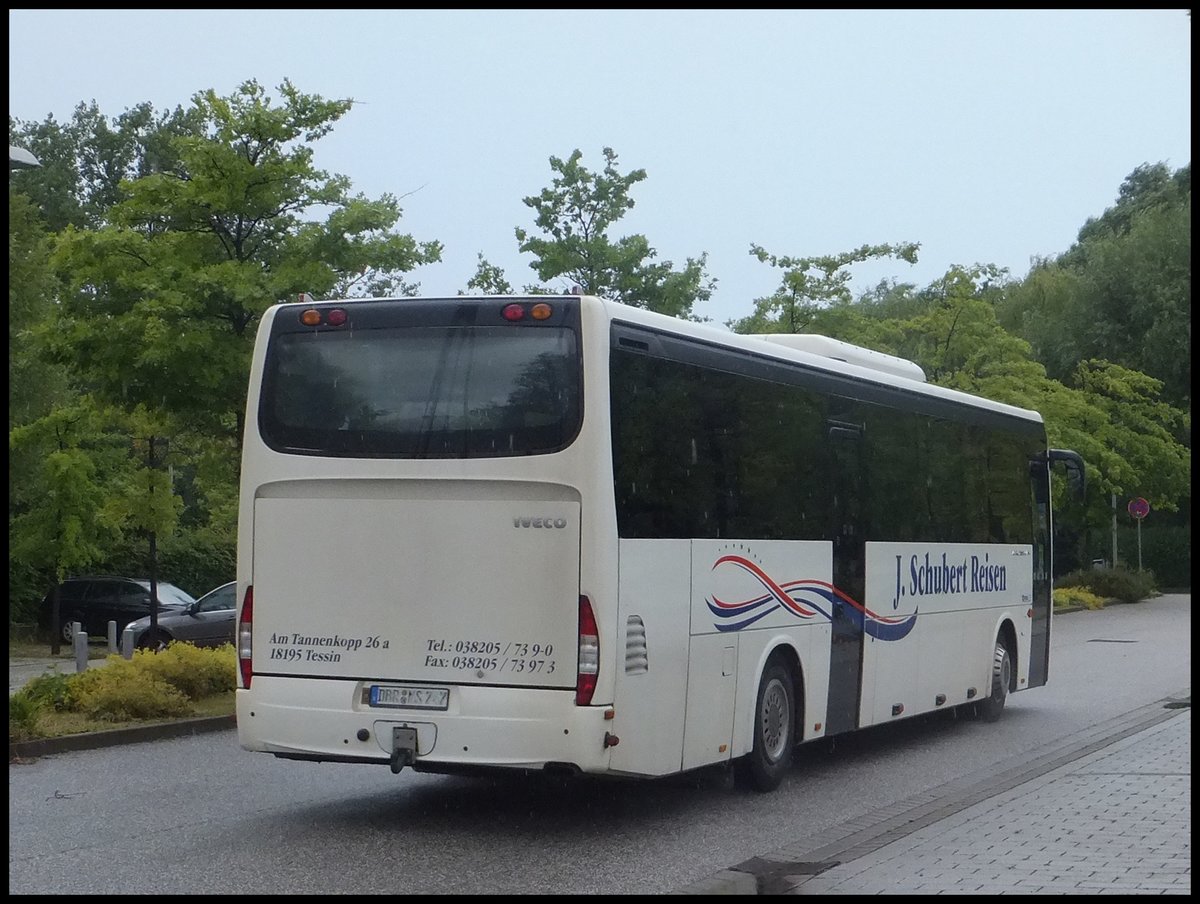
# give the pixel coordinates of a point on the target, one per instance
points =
(763, 768)
(992, 705)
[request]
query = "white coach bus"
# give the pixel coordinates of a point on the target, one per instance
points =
(560, 533)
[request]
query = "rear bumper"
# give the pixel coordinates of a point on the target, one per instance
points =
(517, 728)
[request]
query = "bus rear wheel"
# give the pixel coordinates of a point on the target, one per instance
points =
(993, 704)
(764, 767)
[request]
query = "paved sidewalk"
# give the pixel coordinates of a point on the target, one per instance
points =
(1106, 812)
(22, 670)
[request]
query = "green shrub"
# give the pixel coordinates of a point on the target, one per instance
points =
(51, 690)
(1077, 596)
(23, 715)
(1112, 583)
(122, 691)
(195, 672)
(147, 686)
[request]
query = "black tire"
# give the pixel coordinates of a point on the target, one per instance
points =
(774, 731)
(64, 630)
(154, 642)
(992, 705)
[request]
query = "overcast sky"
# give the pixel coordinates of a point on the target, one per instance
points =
(988, 136)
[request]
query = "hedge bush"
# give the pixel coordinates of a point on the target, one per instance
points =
(1077, 596)
(148, 686)
(122, 692)
(23, 715)
(194, 671)
(1112, 583)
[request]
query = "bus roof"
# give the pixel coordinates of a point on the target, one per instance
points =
(818, 352)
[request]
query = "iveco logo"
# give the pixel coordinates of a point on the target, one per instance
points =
(540, 522)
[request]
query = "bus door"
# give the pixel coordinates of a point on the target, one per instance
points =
(849, 574)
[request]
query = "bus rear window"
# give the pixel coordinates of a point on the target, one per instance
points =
(422, 392)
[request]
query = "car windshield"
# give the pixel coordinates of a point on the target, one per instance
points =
(170, 595)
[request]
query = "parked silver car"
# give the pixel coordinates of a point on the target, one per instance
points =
(208, 622)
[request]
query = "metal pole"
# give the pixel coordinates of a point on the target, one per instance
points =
(1114, 530)
(81, 647)
(1139, 522)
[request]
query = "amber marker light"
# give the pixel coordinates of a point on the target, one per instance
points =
(311, 317)
(541, 311)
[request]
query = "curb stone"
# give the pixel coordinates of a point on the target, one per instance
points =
(93, 740)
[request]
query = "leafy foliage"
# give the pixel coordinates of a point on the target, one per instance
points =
(1122, 293)
(1077, 596)
(123, 692)
(576, 214)
(148, 686)
(24, 713)
(809, 284)
(164, 296)
(1112, 583)
(157, 243)
(196, 672)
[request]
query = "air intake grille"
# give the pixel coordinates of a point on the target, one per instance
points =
(637, 659)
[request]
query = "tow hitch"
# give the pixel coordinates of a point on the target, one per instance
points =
(404, 748)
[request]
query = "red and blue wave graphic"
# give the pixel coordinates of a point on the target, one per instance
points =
(804, 599)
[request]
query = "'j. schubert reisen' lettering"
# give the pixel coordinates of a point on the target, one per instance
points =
(928, 576)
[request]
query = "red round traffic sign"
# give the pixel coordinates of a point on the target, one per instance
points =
(1139, 508)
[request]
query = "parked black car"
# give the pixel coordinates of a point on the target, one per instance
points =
(208, 622)
(95, 600)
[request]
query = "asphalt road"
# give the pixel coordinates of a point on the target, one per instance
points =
(199, 815)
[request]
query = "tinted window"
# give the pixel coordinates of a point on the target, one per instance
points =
(706, 452)
(422, 391)
(131, 594)
(221, 598)
(74, 591)
(703, 453)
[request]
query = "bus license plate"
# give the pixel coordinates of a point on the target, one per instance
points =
(410, 697)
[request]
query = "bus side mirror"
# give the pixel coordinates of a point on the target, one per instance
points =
(1073, 464)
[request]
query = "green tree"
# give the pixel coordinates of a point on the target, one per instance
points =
(34, 386)
(1122, 293)
(809, 284)
(84, 162)
(1143, 432)
(66, 512)
(165, 295)
(1148, 187)
(488, 280)
(575, 216)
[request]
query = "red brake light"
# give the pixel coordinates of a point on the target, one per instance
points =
(245, 623)
(512, 312)
(589, 654)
